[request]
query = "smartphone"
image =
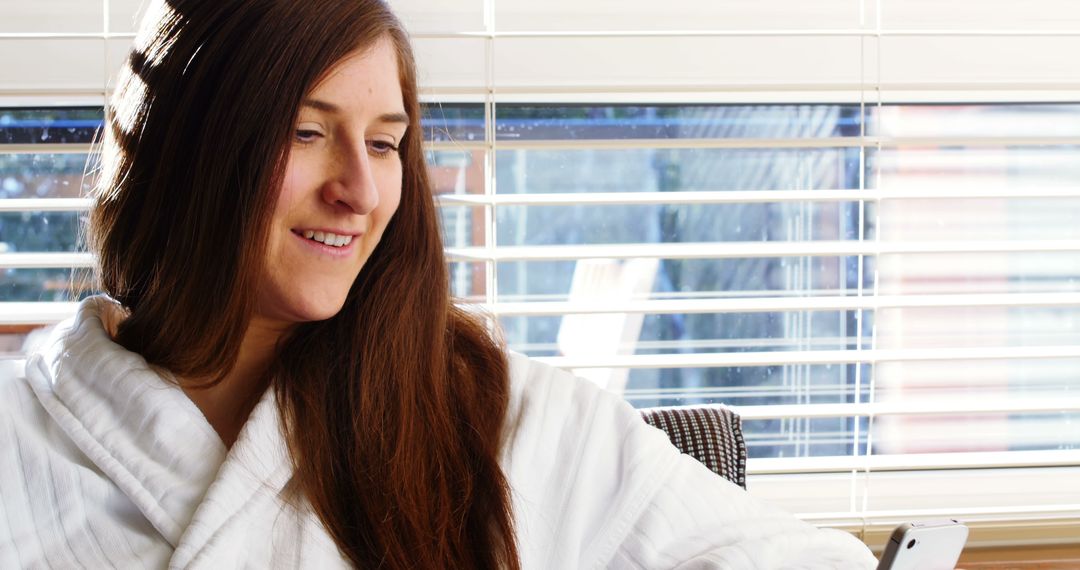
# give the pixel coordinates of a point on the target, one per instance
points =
(926, 545)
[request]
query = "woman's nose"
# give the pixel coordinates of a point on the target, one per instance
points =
(353, 185)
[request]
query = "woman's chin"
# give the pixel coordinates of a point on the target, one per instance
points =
(298, 311)
(321, 311)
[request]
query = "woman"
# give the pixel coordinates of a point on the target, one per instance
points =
(277, 377)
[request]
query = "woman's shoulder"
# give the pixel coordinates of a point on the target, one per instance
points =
(26, 426)
(15, 392)
(544, 393)
(19, 405)
(553, 416)
(30, 397)
(533, 378)
(581, 462)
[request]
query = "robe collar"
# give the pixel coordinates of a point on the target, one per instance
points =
(140, 429)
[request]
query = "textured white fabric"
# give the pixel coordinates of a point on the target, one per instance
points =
(105, 463)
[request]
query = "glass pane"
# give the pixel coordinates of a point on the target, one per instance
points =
(994, 219)
(1014, 120)
(976, 168)
(50, 284)
(50, 125)
(462, 226)
(456, 171)
(958, 327)
(468, 281)
(976, 432)
(43, 176)
(580, 122)
(610, 334)
(664, 223)
(804, 437)
(979, 273)
(914, 382)
(745, 385)
(463, 122)
(691, 278)
(39, 231)
(685, 170)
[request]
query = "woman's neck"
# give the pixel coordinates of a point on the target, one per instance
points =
(228, 404)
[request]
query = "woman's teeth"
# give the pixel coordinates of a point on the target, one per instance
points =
(328, 238)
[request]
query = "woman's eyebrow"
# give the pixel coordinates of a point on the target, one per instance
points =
(321, 105)
(332, 108)
(394, 118)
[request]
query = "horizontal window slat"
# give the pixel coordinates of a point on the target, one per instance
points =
(705, 93)
(828, 95)
(48, 313)
(65, 35)
(45, 204)
(631, 198)
(672, 143)
(912, 461)
(45, 148)
(726, 359)
(763, 32)
(713, 250)
(40, 312)
(685, 143)
(770, 304)
(780, 143)
(922, 406)
(748, 196)
(621, 198)
(720, 250)
(784, 92)
(45, 260)
(29, 313)
(451, 34)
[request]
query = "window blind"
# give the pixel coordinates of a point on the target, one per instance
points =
(855, 223)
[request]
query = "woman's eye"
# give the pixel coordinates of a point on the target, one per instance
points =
(382, 148)
(306, 136)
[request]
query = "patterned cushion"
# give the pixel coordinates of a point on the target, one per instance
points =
(711, 434)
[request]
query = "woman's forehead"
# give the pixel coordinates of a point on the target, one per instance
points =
(370, 71)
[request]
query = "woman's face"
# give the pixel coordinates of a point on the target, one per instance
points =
(342, 185)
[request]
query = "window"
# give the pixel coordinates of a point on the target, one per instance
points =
(854, 222)
(884, 314)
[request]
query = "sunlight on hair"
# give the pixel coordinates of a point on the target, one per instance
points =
(157, 32)
(128, 100)
(126, 106)
(153, 42)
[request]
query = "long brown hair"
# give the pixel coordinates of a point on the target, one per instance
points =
(393, 409)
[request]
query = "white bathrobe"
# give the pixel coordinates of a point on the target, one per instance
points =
(104, 463)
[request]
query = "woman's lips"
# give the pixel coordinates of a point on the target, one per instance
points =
(328, 241)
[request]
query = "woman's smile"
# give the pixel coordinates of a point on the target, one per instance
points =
(339, 243)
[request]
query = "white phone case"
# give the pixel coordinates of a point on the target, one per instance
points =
(926, 545)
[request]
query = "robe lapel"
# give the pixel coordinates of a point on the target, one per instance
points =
(255, 472)
(140, 430)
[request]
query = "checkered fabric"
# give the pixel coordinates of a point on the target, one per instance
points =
(711, 434)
